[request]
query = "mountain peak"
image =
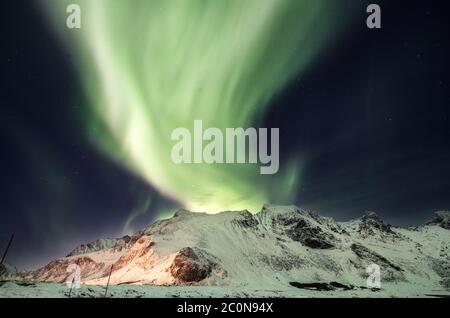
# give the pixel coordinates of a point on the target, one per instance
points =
(371, 215)
(181, 212)
(441, 218)
(280, 209)
(371, 224)
(98, 245)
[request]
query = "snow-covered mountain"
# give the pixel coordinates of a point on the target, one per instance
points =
(277, 247)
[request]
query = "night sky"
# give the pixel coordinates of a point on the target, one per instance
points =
(371, 115)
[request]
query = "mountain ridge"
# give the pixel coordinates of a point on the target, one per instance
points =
(270, 249)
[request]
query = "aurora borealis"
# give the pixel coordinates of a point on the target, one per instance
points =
(151, 66)
(86, 115)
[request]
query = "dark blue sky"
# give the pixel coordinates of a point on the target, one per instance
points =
(372, 119)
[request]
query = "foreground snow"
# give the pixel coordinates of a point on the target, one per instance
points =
(51, 290)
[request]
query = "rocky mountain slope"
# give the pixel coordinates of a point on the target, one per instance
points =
(279, 246)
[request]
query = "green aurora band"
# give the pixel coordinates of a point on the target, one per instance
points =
(149, 66)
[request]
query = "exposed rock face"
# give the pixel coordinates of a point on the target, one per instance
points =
(56, 271)
(279, 245)
(298, 226)
(188, 267)
(311, 236)
(140, 251)
(99, 245)
(441, 218)
(366, 254)
(246, 219)
(371, 223)
(322, 286)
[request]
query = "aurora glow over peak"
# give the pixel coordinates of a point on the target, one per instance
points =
(151, 66)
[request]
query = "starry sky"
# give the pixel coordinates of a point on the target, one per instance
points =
(363, 118)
